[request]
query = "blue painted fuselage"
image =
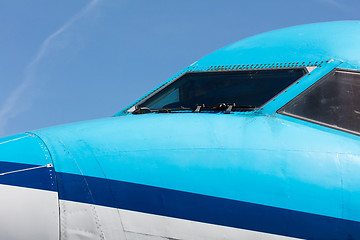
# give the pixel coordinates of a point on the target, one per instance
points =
(259, 171)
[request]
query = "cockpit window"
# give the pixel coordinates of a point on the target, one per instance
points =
(240, 89)
(333, 101)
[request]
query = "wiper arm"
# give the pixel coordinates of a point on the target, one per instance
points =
(226, 107)
(221, 107)
(198, 108)
(142, 110)
(169, 110)
(229, 108)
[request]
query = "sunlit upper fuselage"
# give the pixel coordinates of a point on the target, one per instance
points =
(273, 153)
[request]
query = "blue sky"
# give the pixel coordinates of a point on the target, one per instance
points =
(67, 61)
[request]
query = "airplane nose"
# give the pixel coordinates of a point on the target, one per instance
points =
(29, 200)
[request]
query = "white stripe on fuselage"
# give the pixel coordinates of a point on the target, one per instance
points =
(174, 228)
(28, 213)
(87, 221)
(104, 222)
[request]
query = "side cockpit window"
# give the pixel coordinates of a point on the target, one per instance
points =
(333, 101)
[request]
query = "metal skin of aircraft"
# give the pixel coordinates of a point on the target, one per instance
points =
(258, 140)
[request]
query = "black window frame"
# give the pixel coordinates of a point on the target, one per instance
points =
(282, 112)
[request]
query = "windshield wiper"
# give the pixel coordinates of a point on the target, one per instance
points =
(198, 108)
(227, 108)
(142, 110)
(169, 110)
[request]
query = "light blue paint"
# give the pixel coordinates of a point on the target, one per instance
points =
(349, 66)
(259, 157)
(305, 43)
(300, 86)
(24, 148)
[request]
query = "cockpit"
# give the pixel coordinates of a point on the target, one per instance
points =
(333, 101)
(293, 75)
(220, 91)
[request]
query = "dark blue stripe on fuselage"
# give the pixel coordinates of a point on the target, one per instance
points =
(22, 175)
(179, 204)
(202, 208)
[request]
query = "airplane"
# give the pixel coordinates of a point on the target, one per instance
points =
(257, 140)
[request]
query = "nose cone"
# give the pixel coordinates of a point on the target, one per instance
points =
(29, 201)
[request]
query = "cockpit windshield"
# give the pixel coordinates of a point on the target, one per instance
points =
(248, 89)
